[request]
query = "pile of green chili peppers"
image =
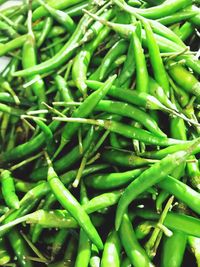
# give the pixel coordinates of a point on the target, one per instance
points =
(100, 133)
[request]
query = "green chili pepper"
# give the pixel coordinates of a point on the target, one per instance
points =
(4, 255)
(29, 59)
(126, 110)
(102, 201)
(41, 11)
(118, 49)
(165, 45)
(19, 248)
(126, 131)
(83, 58)
(124, 159)
(164, 9)
(60, 238)
(76, 10)
(45, 31)
(173, 249)
(186, 30)
(138, 186)
(155, 58)
(63, 55)
(84, 110)
(128, 67)
(84, 247)
(178, 17)
(194, 172)
(28, 147)
(188, 81)
(13, 44)
(134, 251)
(195, 246)
(112, 180)
(37, 230)
(63, 89)
(72, 205)
(60, 16)
(8, 190)
(174, 221)
(142, 79)
(66, 161)
(139, 99)
(111, 252)
(8, 30)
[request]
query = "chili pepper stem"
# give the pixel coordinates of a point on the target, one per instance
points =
(33, 247)
(36, 112)
(150, 245)
(165, 230)
(80, 171)
(32, 118)
(53, 110)
(14, 167)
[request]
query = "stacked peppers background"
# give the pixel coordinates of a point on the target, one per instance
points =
(99, 130)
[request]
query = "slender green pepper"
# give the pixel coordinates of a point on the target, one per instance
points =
(155, 58)
(165, 45)
(194, 244)
(126, 131)
(173, 250)
(60, 218)
(102, 201)
(60, 238)
(84, 247)
(4, 255)
(83, 58)
(27, 148)
(68, 201)
(63, 89)
(174, 221)
(76, 10)
(28, 60)
(60, 16)
(184, 78)
(111, 252)
(134, 251)
(157, 172)
(127, 110)
(111, 180)
(12, 45)
(194, 172)
(114, 52)
(182, 192)
(66, 161)
(128, 67)
(41, 11)
(84, 110)
(37, 230)
(139, 99)
(178, 17)
(8, 30)
(186, 30)
(45, 31)
(8, 190)
(142, 79)
(164, 9)
(63, 55)
(95, 258)
(124, 159)
(19, 248)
